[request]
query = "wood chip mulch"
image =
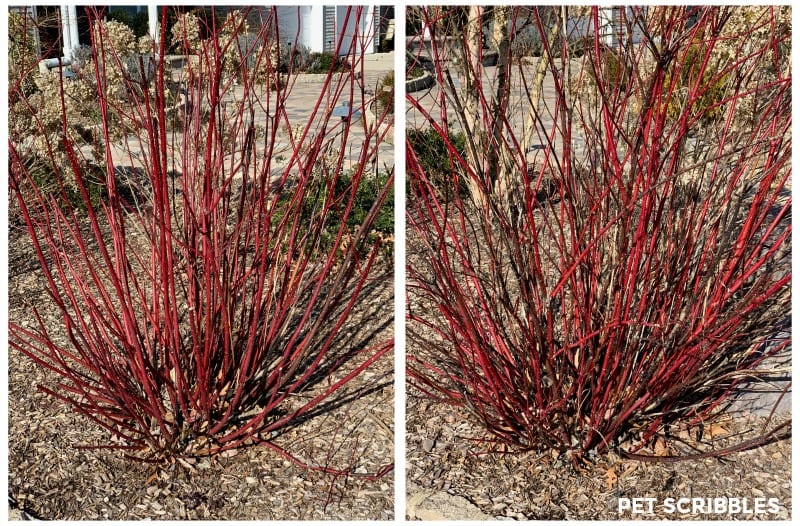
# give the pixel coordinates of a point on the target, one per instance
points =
(50, 478)
(447, 451)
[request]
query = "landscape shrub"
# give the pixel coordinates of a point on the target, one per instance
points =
(620, 266)
(370, 187)
(44, 127)
(415, 73)
(295, 58)
(22, 59)
(383, 225)
(384, 94)
(714, 88)
(324, 62)
(186, 33)
(200, 312)
(435, 155)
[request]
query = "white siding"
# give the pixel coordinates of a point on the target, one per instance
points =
(290, 24)
(359, 23)
(314, 34)
(306, 25)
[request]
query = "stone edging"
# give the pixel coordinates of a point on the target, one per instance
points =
(420, 83)
(430, 505)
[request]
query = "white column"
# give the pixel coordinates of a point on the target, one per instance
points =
(152, 21)
(315, 20)
(73, 28)
(66, 33)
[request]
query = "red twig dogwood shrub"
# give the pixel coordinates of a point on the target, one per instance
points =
(197, 297)
(621, 261)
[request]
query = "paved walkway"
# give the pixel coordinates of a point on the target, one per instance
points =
(519, 107)
(306, 90)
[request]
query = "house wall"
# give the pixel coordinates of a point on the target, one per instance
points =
(296, 25)
(613, 28)
(358, 23)
(305, 25)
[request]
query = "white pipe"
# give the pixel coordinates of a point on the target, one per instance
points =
(54, 62)
(47, 64)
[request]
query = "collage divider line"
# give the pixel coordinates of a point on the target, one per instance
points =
(399, 262)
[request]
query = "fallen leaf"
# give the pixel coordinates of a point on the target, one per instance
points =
(187, 463)
(611, 478)
(660, 448)
(715, 430)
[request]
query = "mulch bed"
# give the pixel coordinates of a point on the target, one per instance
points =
(51, 477)
(447, 451)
